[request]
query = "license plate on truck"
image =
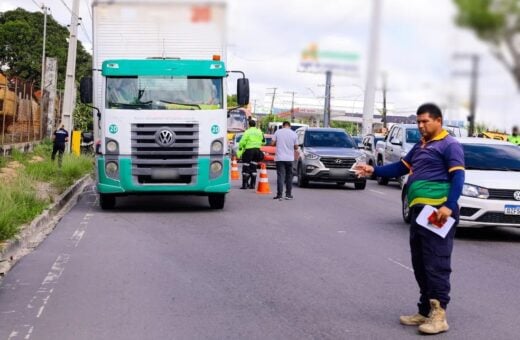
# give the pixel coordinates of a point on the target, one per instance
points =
(512, 209)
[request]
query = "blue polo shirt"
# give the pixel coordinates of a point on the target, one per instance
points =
(430, 164)
(61, 136)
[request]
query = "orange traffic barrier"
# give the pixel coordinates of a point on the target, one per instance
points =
(263, 182)
(235, 175)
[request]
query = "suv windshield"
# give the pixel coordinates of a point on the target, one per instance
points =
(164, 93)
(332, 139)
(492, 157)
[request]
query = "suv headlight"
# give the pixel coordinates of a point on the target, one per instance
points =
(471, 190)
(310, 155)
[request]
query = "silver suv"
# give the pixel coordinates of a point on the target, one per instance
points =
(327, 155)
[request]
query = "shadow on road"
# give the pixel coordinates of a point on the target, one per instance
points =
(155, 203)
(499, 234)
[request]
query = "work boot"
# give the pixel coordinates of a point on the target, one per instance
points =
(245, 179)
(436, 322)
(252, 185)
(412, 320)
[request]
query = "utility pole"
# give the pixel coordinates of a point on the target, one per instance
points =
(42, 81)
(372, 65)
(70, 73)
(292, 104)
(272, 101)
(384, 99)
(474, 74)
(326, 109)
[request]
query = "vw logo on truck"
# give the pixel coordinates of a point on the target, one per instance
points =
(165, 137)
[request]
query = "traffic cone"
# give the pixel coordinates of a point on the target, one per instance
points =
(235, 175)
(263, 183)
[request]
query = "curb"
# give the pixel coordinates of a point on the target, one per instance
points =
(32, 234)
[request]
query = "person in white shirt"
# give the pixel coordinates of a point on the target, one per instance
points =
(286, 142)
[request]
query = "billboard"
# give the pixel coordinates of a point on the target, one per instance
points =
(316, 60)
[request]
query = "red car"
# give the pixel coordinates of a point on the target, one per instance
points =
(269, 152)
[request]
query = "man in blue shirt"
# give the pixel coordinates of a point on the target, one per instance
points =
(60, 137)
(436, 176)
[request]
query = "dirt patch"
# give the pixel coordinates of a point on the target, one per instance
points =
(36, 159)
(44, 191)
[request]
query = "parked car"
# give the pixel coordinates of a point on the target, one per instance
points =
(491, 193)
(327, 155)
(369, 147)
(269, 151)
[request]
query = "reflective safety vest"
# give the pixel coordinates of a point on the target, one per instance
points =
(253, 138)
(514, 139)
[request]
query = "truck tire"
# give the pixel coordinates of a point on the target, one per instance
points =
(106, 201)
(302, 181)
(381, 180)
(217, 201)
(360, 185)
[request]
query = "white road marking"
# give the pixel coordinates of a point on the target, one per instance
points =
(28, 336)
(342, 231)
(400, 264)
(377, 192)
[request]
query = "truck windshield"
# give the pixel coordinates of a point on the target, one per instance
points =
(164, 93)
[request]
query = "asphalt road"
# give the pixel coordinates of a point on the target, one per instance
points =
(331, 264)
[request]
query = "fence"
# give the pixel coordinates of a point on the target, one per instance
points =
(21, 107)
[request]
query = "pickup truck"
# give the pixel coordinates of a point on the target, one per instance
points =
(399, 140)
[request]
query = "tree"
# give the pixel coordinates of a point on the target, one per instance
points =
(496, 22)
(21, 40)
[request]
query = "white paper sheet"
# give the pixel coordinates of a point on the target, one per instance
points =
(422, 220)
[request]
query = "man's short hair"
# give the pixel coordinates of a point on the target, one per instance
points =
(432, 109)
(286, 123)
(252, 123)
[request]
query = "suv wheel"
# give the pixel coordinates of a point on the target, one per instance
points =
(302, 181)
(360, 185)
(405, 209)
(381, 180)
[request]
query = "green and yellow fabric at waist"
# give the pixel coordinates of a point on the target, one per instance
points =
(428, 192)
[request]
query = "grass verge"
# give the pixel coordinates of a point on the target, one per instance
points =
(32, 181)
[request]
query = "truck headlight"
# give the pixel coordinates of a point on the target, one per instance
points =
(310, 155)
(111, 168)
(112, 146)
(471, 190)
(216, 167)
(216, 147)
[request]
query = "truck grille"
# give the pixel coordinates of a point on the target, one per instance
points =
(176, 163)
(502, 194)
(335, 162)
(497, 217)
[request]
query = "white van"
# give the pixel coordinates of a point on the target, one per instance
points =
(273, 126)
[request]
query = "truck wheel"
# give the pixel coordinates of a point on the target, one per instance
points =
(360, 185)
(405, 209)
(302, 181)
(381, 180)
(217, 201)
(107, 201)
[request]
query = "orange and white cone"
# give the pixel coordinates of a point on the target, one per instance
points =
(263, 183)
(235, 175)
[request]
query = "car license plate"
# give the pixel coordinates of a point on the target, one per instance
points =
(338, 173)
(512, 210)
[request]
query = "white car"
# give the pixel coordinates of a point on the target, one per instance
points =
(491, 193)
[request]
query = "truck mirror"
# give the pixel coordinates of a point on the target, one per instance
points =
(85, 90)
(243, 91)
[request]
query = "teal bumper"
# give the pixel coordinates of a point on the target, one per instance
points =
(126, 183)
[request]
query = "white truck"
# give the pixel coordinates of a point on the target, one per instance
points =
(159, 90)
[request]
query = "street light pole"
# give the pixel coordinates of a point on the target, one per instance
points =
(292, 105)
(42, 82)
(326, 110)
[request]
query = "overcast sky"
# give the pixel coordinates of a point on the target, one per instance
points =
(417, 42)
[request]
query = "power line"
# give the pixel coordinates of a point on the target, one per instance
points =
(39, 6)
(89, 9)
(79, 18)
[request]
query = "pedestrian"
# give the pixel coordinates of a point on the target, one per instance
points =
(514, 137)
(286, 142)
(60, 137)
(436, 176)
(249, 152)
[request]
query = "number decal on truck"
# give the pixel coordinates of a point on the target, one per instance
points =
(215, 129)
(113, 128)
